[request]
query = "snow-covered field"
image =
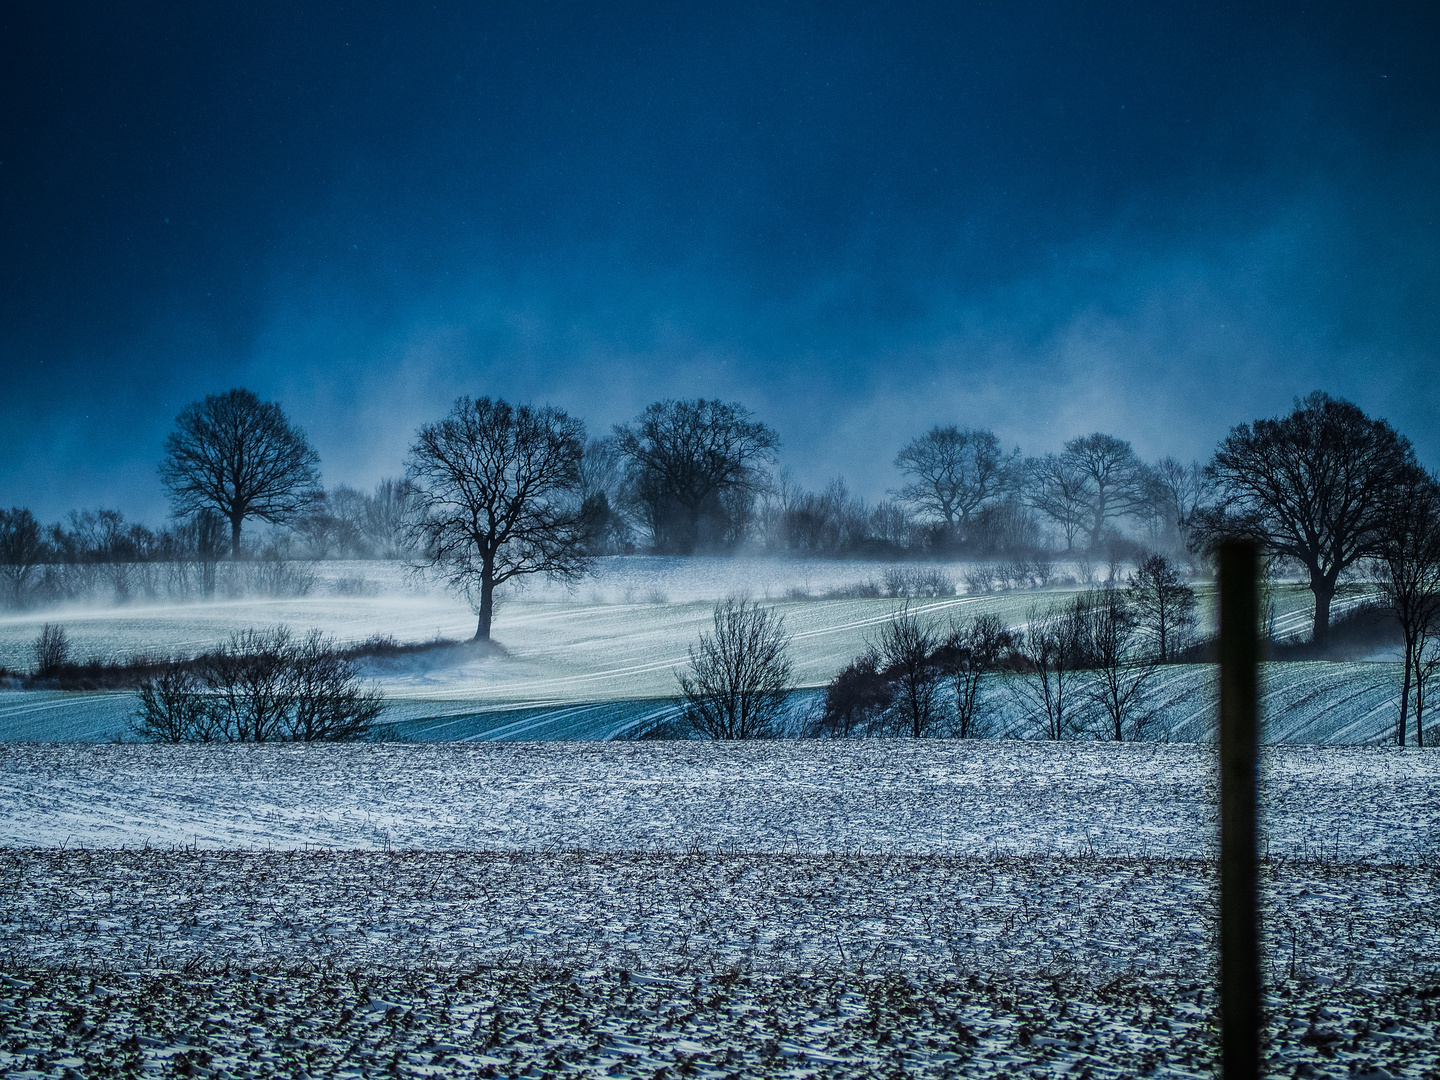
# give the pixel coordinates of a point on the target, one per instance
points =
(548, 1022)
(792, 909)
(599, 663)
(810, 797)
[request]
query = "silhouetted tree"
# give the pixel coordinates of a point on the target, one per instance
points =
(240, 456)
(1116, 670)
(739, 678)
(260, 686)
(1316, 486)
(1116, 480)
(855, 699)
(51, 649)
(330, 704)
(22, 550)
(907, 649)
(495, 486)
(954, 473)
(1056, 487)
(602, 494)
(1410, 579)
(695, 468)
(1180, 492)
(1163, 604)
(973, 650)
(1051, 657)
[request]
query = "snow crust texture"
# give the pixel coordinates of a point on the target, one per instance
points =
(808, 797)
(789, 909)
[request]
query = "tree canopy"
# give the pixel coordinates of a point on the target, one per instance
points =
(1316, 486)
(496, 487)
(695, 469)
(241, 457)
(954, 472)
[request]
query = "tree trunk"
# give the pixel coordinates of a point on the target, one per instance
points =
(1324, 590)
(235, 523)
(1405, 691)
(1419, 707)
(487, 609)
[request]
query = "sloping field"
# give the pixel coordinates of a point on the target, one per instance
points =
(1303, 702)
(600, 664)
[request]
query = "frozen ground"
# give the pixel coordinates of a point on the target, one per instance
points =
(791, 909)
(808, 797)
(546, 1022)
(698, 914)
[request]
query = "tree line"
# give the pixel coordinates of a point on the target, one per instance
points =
(495, 492)
(1080, 668)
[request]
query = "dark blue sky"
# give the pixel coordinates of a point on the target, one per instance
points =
(1152, 219)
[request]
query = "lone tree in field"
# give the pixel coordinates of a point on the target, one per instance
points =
(739, 677)
(496, 489)
(241, 457)
(1317, 486)
(954, 473)
(1410, 582)
(695, 468)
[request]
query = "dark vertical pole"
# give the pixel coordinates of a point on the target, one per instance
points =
(1239, 885)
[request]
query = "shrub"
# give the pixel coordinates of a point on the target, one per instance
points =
(261, 686)
(52, 650)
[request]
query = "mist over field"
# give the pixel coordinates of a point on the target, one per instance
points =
(807, 540)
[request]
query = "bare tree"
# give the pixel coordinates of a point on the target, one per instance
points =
(22, 550)
(740, 676)
(1181, 491)
(496, 487)
(388, 516)
(855, 699)
(1315, 486)
(974, 649)
(1056, 487)
(1116, 671)
(249, 692)
(954, 473)
(1116, 481)
(1050, 683)
(907, 648)
(330, 704)
(1163, 604)
(240, 456)
(1410, 579)
(695, 469)
(603, 496)
(51, 649)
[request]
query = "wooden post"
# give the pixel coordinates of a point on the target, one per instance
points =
(1239, 878)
